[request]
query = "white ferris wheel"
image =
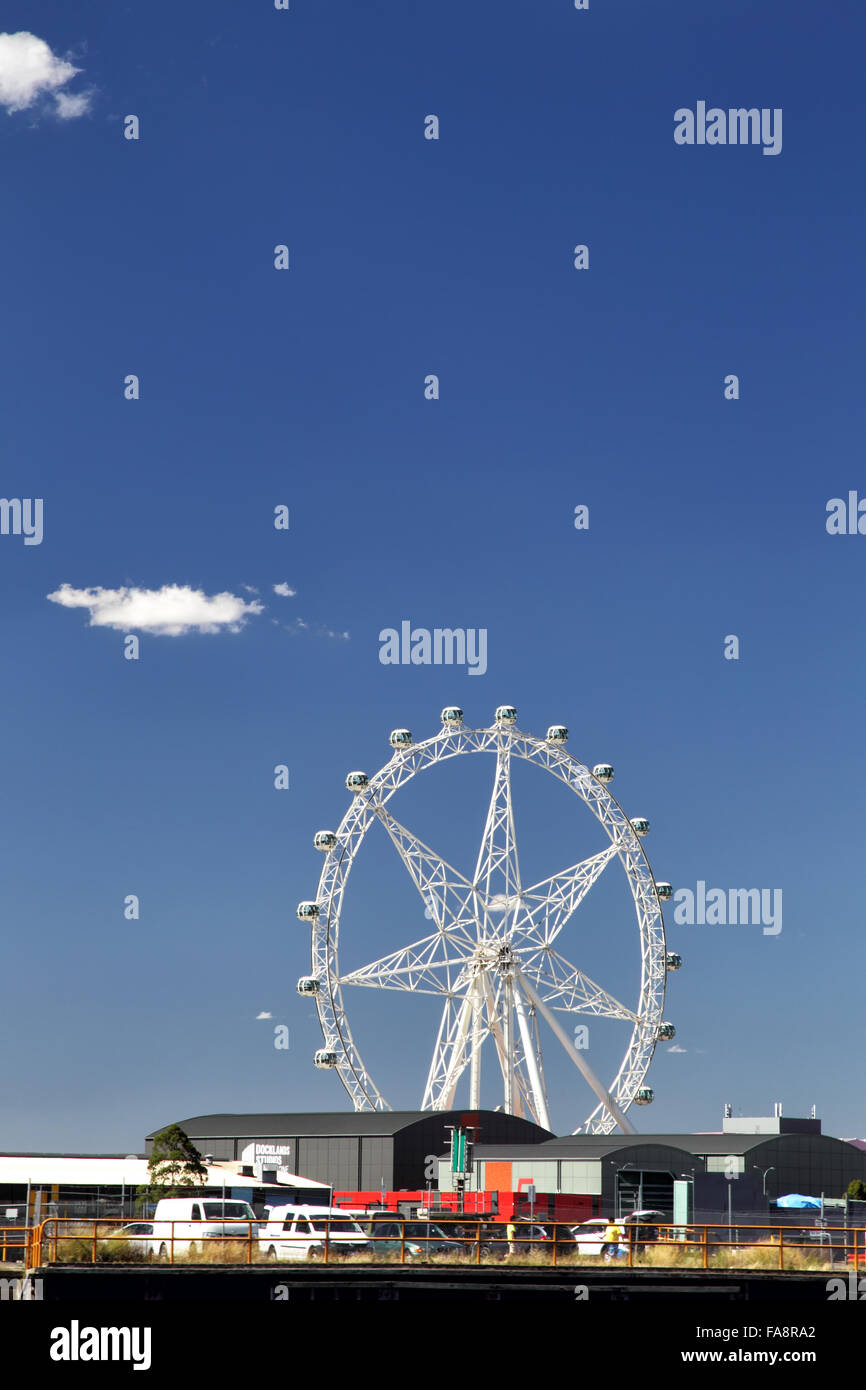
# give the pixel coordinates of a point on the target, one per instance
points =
(492, 956)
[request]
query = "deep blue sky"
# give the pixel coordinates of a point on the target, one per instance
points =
(558, 387)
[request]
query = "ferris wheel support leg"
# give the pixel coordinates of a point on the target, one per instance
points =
(508, 1044)
(456, 1065)
(580, 1062)
(531, 1062)
(428, 1103)
(495, 1030)
(475, 1065)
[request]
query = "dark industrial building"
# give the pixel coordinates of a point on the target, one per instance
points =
(748, 1163)
(758, 1159)
(357, 1151)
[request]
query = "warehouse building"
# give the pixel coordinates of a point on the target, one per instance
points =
(358, 1151)
(362, 1155)
(758, 1158)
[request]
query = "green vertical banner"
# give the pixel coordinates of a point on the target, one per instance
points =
(458, 1151)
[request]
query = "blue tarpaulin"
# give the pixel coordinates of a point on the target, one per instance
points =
(796, 1199)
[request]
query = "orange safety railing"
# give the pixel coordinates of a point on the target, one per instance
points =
(77, 1240)
(74, 1240)
(15, 1244)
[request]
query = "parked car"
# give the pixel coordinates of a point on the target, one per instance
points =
(588, 1236)
(301, 1232)
(183, 1224)
(528, 1236)
(642, 1227)
(531, 1237)
(420, 1239)
(137, 1234)
(135, 1231)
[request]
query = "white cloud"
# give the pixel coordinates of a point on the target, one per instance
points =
(68, 107)
(284, 591)
(264, 1015)
(167, 612)
(315, 629)
(29, 70)
(250, 588)
(675, 1048)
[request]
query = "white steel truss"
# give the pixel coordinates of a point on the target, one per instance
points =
(491, 954)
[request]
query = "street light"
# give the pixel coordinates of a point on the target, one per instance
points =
(763, 1172)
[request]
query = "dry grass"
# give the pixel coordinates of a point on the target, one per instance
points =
(77, 1247)
(678, 1255)
(766, 1256)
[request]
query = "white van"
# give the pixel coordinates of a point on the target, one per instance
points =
(193, 1220)
(298, 1233)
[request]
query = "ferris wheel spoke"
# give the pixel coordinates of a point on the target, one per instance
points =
(413, 967)
(564, 987)
(579, 1061)
(448, 896)
(548, 905)
(497, 870)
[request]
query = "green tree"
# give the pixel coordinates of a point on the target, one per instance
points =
(175, 1166)
(857, 1190)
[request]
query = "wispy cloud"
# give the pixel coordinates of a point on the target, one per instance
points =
(675, 1048)
(284, 591)
(171, 611)
(264, 1015)
(314, 629)
(29, 71)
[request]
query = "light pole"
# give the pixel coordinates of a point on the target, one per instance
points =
(763, 1172)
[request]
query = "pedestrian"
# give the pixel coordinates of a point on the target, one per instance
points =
(511, 1232)
(611, 1240)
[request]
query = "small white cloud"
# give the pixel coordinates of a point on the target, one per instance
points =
(264, 1015)
(29, 70)
(167, 612)
(69, 107)
(315, 630)
(675, 1048)
(250, 588)
(284, 591)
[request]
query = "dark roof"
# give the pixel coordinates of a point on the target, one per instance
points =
(319, 1125)
(598, 1146)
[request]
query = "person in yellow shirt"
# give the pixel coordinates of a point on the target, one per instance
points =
(511, 1232)
(611, 1240)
